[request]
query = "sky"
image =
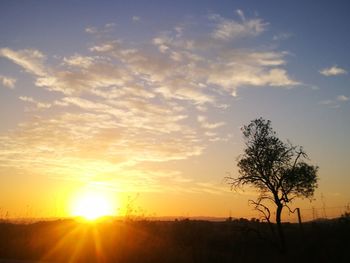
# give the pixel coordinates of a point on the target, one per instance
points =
(145, 100)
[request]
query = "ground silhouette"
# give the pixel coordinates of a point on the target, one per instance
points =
(172, 241)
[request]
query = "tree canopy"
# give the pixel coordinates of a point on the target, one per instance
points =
(274, 166)
(279, 170)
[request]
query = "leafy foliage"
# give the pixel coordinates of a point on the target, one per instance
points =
(279, 170)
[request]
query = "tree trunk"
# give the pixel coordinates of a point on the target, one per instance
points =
(280, 232)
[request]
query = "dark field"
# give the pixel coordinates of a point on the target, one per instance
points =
(173, 241)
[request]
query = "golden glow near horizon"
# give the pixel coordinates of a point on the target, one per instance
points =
(93, 204)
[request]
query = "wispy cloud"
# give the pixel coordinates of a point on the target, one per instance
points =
(342, 98)
(30, 60)
(99, 31)
(282, 36)
(136, 18)
(240, 13)
(248, 73)
(228, 29)
(119, 104)
(335, 103)
(39, 105)
(333, 71)
(326, 102)
(205, 124)
(7, 82)
(91, 30)
(79, 61)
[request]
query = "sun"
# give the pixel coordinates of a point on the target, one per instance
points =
(92, 205)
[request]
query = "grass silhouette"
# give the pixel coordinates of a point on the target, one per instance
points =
(171, 241)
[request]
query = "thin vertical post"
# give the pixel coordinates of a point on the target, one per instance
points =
(299, 220)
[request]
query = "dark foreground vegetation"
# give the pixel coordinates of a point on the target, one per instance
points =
(173, 241)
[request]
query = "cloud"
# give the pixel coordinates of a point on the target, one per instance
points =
(240, 14)
(107, 28)
(91, 30)
(282, 36)
(228, 29)
(79, 61)
(186, 93)
(31, 60)
(110, 25)
(82, 146)
(242, 68)
(136, 18)
(333, 71)
(121, 105)
(206, 125)
(334, 103)
(105, 47)
(96, 75)
(248, 75)
(7, 82)
(179, 31)
(326, 102)
(342, 98)
(24, 98)
(39, 105)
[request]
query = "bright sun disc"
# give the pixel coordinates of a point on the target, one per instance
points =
(92, 206)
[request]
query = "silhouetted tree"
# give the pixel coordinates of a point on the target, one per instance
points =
(277, 169)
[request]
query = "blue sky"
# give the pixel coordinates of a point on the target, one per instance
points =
(149, 96)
